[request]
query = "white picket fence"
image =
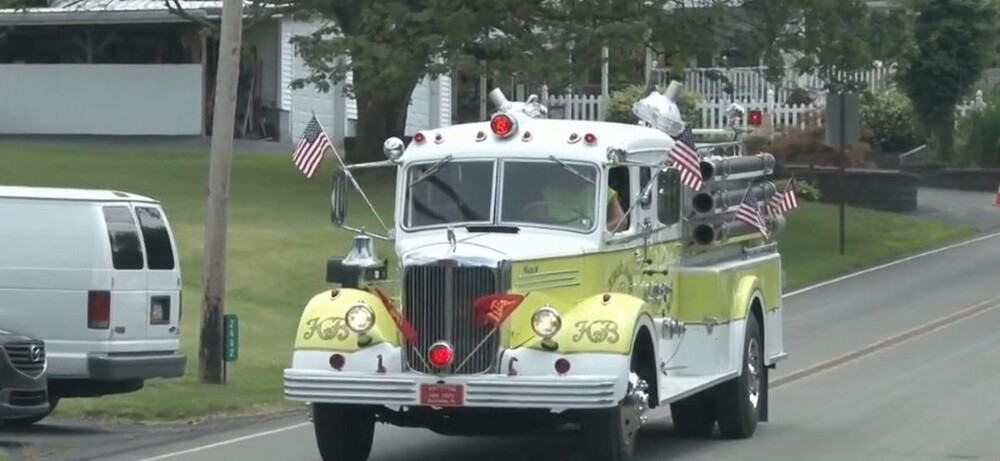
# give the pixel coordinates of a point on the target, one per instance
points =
(713, 112)
(748, 83)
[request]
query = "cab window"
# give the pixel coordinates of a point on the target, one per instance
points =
(669, 207)
(619, 181)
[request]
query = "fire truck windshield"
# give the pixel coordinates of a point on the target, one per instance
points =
(547, 193)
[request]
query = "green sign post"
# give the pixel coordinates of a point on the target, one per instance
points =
(231, 325)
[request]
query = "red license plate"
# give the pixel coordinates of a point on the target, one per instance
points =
(442, 395)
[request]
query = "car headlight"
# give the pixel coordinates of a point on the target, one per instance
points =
(360, 318)
(546, 322)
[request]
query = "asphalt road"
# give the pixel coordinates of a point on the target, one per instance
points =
(930, 394)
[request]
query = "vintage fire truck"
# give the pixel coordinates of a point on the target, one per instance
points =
(547, 273)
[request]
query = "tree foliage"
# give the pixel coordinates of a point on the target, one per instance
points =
(393, 44)
(831, 38)
(951, 42)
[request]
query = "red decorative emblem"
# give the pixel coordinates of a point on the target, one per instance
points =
(494, 309)
(408, 331)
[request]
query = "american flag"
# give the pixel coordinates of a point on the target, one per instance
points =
(311, 147)
(783, 201)
(688, 161)
(749, 213)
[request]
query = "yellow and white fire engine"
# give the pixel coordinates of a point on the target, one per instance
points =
(548, 272)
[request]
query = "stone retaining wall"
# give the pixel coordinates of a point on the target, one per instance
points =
(884, 190)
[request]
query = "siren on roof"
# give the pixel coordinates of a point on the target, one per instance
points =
(660, 110)
(532, 107)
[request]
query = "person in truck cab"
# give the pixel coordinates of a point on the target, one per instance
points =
(566, 199)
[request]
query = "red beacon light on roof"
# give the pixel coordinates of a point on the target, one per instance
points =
(419, 138)
(755, 118)
(503, 125)
(589, 138)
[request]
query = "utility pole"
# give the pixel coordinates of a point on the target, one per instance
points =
(210, 365)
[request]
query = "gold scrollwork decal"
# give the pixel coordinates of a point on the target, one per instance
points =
(327, 329)
(597, 331)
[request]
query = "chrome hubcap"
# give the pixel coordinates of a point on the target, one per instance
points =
(634, 408)
(753, 372)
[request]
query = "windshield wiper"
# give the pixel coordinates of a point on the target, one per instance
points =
(572, 170)
(433, 169)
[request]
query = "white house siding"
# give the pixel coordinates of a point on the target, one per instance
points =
(101, 99)
(262, 38)
(302, 103)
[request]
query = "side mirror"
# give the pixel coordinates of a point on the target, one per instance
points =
(338, 198)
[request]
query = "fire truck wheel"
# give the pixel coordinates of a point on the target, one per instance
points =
(740, 398)
(343, 432)
(694, 416)
(611, 434)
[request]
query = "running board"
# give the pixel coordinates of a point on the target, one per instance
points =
(673, 388)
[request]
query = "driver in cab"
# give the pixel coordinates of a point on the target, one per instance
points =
(568, 199)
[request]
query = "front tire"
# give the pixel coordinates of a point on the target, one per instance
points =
(611, 434)
(694, 416)
(343, 432)
(739, 400)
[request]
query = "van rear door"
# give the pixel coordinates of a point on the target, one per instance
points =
(163, 278)
(128, 295)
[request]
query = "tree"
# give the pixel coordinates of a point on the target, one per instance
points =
(951, 42)
(390, 45)
(827, 37)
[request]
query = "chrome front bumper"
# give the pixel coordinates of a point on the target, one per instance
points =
(486, 391)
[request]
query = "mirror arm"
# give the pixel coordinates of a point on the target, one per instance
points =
(386, 237)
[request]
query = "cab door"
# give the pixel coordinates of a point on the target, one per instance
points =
(162, 301)
(663, 253)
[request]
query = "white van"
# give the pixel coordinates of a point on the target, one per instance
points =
(95, 274)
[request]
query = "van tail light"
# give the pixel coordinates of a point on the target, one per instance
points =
(98, 310)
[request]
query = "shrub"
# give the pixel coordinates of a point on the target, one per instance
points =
(620, 105)
(890, 116)
(979, 136)
(808, 147)
(756, 144)
(798, 97)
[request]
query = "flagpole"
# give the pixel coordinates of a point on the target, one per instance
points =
(350, 176)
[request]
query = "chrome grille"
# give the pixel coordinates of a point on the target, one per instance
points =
(20, 355)
(437, 301)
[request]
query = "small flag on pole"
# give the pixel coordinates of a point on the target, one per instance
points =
(311, 147)
(689, 162)
(749, 213)
(783, 201)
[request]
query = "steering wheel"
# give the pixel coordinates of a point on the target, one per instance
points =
(534, 205)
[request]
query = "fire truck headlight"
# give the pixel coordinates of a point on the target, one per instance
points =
(360, 319)
(546, 322)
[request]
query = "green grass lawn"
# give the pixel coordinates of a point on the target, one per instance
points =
(280, 237)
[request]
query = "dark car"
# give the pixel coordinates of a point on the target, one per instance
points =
(23, 389)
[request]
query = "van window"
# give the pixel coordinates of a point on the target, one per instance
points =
(156, 237)
(126, 253)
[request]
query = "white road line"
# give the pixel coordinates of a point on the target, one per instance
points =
(228, 442)
(890, 264)
(786, 295)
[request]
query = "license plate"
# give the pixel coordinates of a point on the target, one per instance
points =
(442, 395)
